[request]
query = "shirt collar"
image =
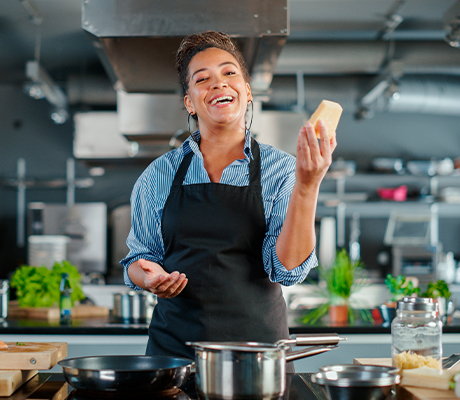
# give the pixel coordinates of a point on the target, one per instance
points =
(192, 144)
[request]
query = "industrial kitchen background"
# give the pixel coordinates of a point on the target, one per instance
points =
(89, 96)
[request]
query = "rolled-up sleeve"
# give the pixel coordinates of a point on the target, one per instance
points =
(273, 266)
(144, 239)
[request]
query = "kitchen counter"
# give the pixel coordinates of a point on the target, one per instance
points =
(107, 326)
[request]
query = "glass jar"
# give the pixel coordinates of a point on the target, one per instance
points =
(416, 334)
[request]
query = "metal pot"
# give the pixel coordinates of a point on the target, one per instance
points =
(228, 370)
(133, 306)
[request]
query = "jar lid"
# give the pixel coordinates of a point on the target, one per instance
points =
(417, 304)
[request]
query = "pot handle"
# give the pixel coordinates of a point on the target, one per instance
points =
(310, 351)
(313, 339)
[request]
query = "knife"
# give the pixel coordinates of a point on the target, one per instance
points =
(451, 361)
(29, 387)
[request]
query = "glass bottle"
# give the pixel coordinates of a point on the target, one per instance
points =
(416, 334)
(65, 301)
(4, 299)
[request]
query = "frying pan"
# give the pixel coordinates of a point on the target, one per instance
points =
(126, 373)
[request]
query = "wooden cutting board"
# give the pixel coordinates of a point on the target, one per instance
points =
(32, 355)
(409, 392)
(53, 313)
(12, 380)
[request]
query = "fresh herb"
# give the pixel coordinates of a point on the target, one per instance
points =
(400, 287)
(20, 344)
(39, 286)
(337, 283)
(437, 289)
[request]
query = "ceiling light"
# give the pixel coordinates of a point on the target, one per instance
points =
(41, 85)
(384, 87)
(59, 116)
(453, 34)
(451, 20)
(33, 90)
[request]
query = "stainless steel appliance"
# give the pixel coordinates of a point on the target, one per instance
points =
(415, 247)
(120, 222)
(85, 224)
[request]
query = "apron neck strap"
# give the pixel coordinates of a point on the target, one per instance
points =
(254, 166)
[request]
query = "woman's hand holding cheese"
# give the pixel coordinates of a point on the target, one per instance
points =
(313, 159)
(159, 282)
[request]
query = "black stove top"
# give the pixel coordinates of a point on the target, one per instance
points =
(298, 387)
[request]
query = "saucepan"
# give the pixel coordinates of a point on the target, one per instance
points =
(229, 370)
(126, 373)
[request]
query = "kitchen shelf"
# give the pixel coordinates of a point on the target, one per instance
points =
(358, 194)
(80, 183)
(383, 209)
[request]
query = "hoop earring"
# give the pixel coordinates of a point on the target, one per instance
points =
(252, 114)
(188, 122)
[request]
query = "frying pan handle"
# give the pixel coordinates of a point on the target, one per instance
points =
(314, 339)
(310, 351)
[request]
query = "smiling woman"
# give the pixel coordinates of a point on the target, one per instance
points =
(220, 223)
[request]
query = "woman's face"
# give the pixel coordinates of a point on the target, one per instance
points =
(217, 91)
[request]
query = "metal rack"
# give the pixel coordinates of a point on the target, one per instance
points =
(70, 183)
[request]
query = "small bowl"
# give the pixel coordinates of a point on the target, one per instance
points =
(356, 382)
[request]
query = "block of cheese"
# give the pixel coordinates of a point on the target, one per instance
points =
(427, 377)
(330, 113)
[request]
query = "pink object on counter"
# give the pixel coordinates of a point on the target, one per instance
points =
(396, 194)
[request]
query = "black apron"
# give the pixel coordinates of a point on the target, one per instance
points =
(214, 233)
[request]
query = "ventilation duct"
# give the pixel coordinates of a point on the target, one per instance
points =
(416, 94)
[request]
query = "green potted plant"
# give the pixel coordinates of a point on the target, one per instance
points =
(439, 291)
(336, 285)
(399, 287)
(39, 286)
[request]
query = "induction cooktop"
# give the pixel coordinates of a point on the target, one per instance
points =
(298, 387)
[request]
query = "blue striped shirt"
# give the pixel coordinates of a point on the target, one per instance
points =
(152, 189)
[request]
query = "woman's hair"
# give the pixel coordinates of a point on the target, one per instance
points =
(194, 44)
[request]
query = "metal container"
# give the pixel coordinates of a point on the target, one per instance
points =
(250, 370)
(352, 382)
(47, 249)
(4, 299)
(133, 306)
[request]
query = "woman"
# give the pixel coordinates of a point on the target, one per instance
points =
(219, 223)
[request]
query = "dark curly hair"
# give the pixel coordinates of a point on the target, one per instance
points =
(194, 44)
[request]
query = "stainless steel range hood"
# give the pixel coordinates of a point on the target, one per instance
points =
(137, 39)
